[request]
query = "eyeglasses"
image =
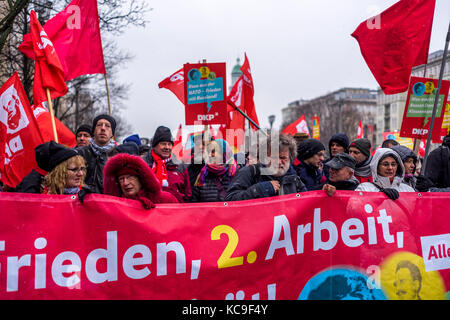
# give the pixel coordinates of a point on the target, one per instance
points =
(127, 177)
(387, 164)
(75, 170)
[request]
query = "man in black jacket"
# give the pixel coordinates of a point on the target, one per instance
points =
(342, 168)
(271, 176)
(95, 154)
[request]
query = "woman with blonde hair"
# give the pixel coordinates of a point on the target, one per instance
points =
(66, 170)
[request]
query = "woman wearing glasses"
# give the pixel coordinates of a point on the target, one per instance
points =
(129, 176)
(388, 173)
(67, 170)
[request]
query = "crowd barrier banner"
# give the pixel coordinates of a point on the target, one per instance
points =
(353, 245)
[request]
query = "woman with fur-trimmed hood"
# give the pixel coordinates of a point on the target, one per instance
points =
(128, 176)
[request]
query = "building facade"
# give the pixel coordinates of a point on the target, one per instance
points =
(339, 111)
(390, 108)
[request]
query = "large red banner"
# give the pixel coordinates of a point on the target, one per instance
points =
(353, 245)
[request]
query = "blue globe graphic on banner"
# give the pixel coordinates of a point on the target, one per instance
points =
(419, 89)
(341, 284)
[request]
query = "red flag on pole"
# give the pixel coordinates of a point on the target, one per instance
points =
(48, 72)
(298, 125)
(395, 41)
(360, 133)
(248, 92)
(75, 34)
(19, 133)
(175, 83)
(65, 135)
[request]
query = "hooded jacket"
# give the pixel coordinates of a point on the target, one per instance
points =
(151, 187)
(385, 182)
(404, 154)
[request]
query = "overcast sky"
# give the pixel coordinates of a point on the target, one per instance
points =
(296, 48)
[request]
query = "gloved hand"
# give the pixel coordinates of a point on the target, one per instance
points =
(83, 192)
(423, 184)
(391, 193)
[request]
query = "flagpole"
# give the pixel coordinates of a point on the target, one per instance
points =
(107, 94)
(50, 106)
(246, 116)
(436, 99)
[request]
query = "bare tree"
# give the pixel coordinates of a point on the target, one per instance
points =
(87, 94)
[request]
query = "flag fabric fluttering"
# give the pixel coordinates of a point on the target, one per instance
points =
(19, 133)
(395, 41)
(65, 136)
(48, 72)
(75, 34)
(298, 126)
(360, 133)
(175, 83)
(248, 92)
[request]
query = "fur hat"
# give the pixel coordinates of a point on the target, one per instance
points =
(115, 166)
(110, 119)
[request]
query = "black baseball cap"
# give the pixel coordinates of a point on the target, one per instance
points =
(341, 160)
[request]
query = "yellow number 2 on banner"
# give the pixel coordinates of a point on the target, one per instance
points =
(225, 259)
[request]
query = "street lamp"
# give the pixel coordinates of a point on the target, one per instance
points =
(271, 120)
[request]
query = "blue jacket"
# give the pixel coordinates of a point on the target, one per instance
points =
(312, 177)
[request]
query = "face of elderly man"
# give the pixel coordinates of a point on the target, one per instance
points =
(280, 162)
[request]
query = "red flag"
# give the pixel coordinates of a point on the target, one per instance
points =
(48, 72)
(19, 133)
(65, 135)
(395, 41)
(360, 133)
(248, 92)
(75, 34)
(177, 145)
(235, 119)
(299, 125)
(422, 147)
(175, 83)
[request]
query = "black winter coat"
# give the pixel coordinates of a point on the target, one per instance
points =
(214, 188)
(94, 165)
(438, 167)
(249, 183)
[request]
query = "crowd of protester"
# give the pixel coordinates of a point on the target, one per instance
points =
(153, 174)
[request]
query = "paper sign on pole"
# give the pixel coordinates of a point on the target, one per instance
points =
(205, 93)
(419, 108)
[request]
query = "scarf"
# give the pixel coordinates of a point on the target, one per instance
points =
(363, 169)
(101, 150)
(143, 197)
(160, 169)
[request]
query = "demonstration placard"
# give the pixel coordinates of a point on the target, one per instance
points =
(205, 93)
(419, 108)
(354, 245)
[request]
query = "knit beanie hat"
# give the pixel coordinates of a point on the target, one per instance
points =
(162, 134)
(111, 120)
(446, 141)
(134, 138)
(308, 148)
(57, 154)
(362, 145)
(42, 155)
(84, 128)
(341, 139)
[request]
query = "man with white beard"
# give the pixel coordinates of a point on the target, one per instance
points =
(273, 175)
